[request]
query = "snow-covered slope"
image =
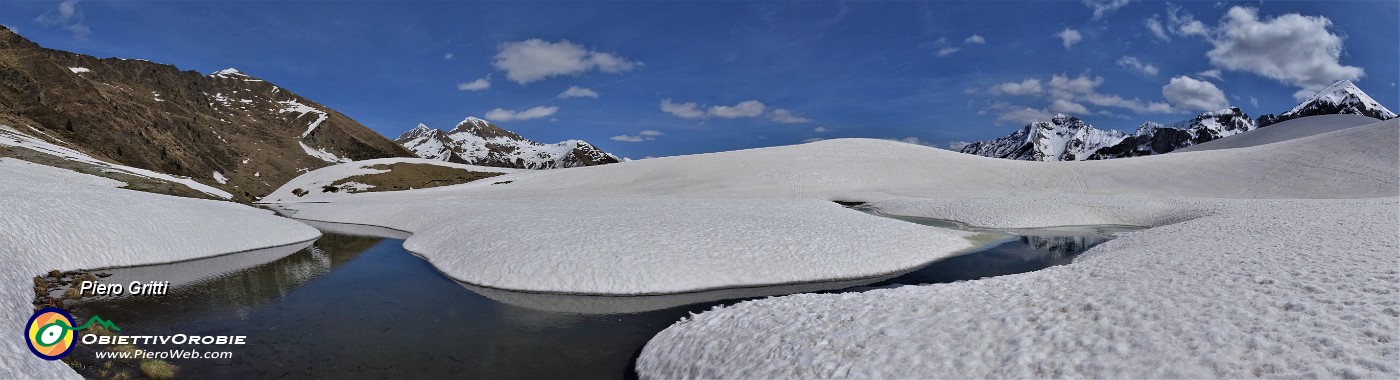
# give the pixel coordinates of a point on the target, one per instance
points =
(478, 142)
(1342, 97)
(1288, 130)
(1222, 220)
(331, 174)
(1063, 138)
(53, 218)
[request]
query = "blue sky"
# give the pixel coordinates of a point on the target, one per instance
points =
(667, 78)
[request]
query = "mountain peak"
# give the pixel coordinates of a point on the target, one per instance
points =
(1341, 97)
(229, 73)
(478, 142)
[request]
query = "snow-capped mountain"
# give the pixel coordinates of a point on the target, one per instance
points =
(1066, 138)
(1155, 138)
(227, 130)
(478, 142)
(1063, 138)
(1342, 97)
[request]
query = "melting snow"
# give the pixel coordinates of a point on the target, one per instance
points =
(76, 70)
(219, 177)
(11, 137)
(296, 107)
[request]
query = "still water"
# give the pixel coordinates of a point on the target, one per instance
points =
(356, 306)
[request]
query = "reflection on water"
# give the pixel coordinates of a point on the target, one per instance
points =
(357, 307)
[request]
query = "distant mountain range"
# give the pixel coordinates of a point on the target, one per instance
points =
(228, 129)
(478, 142)
(1067, 138)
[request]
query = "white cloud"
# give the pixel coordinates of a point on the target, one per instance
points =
(1104, 7)
(1253, 101)
(1183, 24)
(532, 113)
(1155, 26)
(1062, 84)
(448, 56)
(1025, 87)
(787, 117)
(821, 130)
(747, 108)
(535, 59)
(948, 50)
(1190, 94)
(578, 92)
(1068, 107)
(1135, 64)
(476, 85)
(1212, 73)
(957, 145)
(975, 40)
(646, 135)
(1292, 48)
(66, 17)
(1069, 37)
(689, 110)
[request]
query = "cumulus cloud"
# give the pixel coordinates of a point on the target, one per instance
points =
(1137, 65)
(1182, 23)
(578, 92)
(948, 50)
(744, 109)
(476, 85)
(1154, 24)
(1068, 107)
(1064, 94)
(535, 59)
(747, 108)
(688, 110)
(500, 114)
(1069, 37)
(1190, 94)
(975, 40)
(1292, 48)
(1212, 74)
(1104, 7)
(787, 117)
(1025, 87)
(66, 17)
(627, 138)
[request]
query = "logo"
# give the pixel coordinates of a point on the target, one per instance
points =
(50, 332)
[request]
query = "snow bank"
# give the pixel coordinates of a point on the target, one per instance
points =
(779, 241)
(12, 137)
(325, 176)
(1277, 289)
(1287, 130)
(53, 218)
(1271, 260)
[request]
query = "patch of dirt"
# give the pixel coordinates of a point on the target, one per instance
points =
(406, 176)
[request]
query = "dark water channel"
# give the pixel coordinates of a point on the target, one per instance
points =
(356, 306)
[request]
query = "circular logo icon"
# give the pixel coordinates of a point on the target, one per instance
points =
(50, 333)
